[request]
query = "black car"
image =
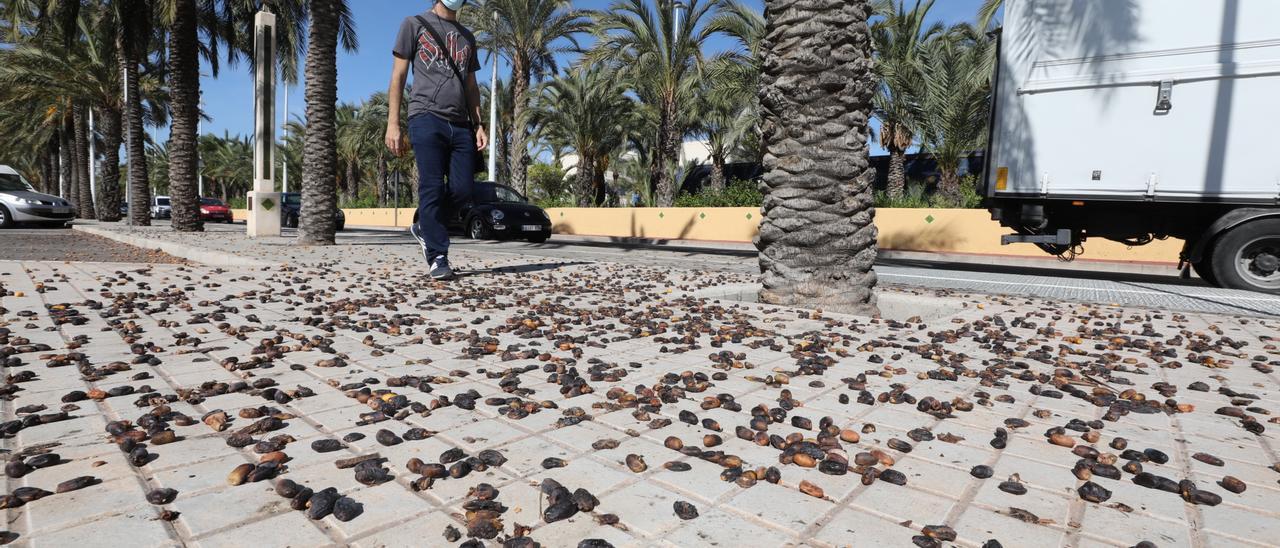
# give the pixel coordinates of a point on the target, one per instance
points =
(291, 208)
(499, 212)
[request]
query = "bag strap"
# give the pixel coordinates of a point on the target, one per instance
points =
(448, 55)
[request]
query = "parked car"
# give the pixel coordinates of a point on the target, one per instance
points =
(160, 208)
(291, 210)
(124, 209)
(20, 203)
(499, 212)
(212, 209)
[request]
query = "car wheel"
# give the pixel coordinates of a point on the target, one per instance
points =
(1248, 257)
(340, 227)
(478, 230)
(291, 221)
(6, 219)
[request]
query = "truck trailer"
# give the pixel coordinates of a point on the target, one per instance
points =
(1141, 120)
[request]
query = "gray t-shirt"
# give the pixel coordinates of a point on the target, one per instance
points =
(435, 87)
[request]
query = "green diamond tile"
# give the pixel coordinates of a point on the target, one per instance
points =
(929, 219)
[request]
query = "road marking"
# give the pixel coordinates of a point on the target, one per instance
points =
(1094, 289)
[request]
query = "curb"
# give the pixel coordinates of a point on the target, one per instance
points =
(182, 251)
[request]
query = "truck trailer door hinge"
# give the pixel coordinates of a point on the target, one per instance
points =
(1152, 181)
(1164, 100)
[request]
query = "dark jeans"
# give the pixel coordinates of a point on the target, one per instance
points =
(441, 148)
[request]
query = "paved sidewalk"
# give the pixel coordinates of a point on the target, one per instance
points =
(1022, 421)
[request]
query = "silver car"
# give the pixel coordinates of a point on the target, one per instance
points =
(20, 203)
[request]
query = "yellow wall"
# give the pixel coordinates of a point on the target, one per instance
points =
(930, 230)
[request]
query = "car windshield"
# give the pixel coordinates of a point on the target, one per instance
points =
(490, 193)
(292, 199)
(162, 201)
(210, 201)
(11, 182)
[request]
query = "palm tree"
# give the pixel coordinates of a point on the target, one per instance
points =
(900, 37)
(987, 13)
(330, 21)
(730, 110)
(196, 29)
(957, 100)
(44, 74)
(817, 241)
(529, 34)
(134, 29)
(588, 109)
(663, 66)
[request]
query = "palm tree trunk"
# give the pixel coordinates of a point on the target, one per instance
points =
(184, 92)
(382, 180)
(584, 181)
(139, 186)
(517, 153)
(55, 169)
(66, 159)
(109, 183)
(949, 184)
(818, 239)
(717, 172)
(897, 173)
(598, 184)
(353, 181)
(320, 153)
(84, 190)
(667, 155)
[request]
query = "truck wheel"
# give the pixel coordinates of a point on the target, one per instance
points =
(1248, 257)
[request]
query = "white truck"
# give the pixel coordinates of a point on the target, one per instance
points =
(1136, 120)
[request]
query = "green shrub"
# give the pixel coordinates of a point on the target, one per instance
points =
(922, 195)
(556, 201)
(735, 194)
(237, 202)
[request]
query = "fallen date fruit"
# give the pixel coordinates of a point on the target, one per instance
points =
(1013, 488)
(562, 509)
(685, 510)
(161, 496)
(1233, 484)
(326, 445)
(893, 476)
(636, 463)
(75, 484)
(811, 489)
(1093, 492)
(300, 500)
(346, 509)
(1208, 459)
(981, 471)
(321, 503)
(553, 462)
(287, 488)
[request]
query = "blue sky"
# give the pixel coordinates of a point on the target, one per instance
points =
(229, 97)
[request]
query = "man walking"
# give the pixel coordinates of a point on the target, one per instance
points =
(444, 120)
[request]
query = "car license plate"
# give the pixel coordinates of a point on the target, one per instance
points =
(61, 210)
(532, 228)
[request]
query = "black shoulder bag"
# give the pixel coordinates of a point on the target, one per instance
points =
(457, 72)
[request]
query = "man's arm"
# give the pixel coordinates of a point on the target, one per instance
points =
(473, 104)
(395, 96)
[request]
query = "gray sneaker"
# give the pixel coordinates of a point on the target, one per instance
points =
(413, 230)
(440, 269)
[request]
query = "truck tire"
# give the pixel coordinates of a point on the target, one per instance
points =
(1248, 257)
(1204, 269)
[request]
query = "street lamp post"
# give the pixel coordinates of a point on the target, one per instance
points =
(493, 105)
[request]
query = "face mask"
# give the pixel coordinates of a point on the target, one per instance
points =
(454, 5)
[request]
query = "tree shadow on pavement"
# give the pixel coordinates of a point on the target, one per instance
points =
(519, 269)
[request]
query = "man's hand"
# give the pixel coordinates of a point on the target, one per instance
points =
(395, 140)
(482, 139)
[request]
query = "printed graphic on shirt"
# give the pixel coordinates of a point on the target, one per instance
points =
(429, 52)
